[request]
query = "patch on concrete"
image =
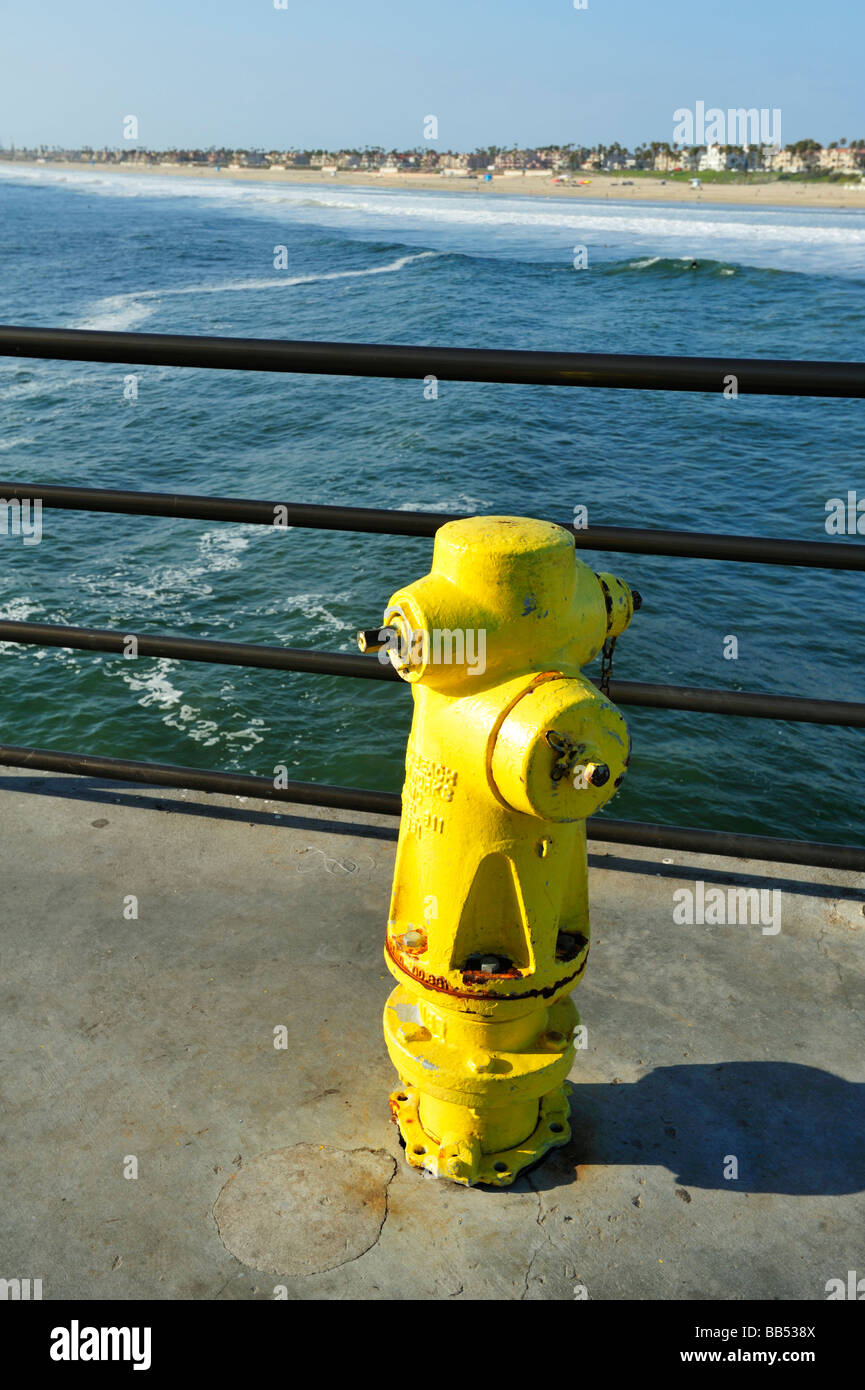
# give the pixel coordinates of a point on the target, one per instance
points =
(306, 1209)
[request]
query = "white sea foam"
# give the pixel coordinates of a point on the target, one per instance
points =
(222, 550)
(18, 610)
(173, 585)
(252, 736)
(204, 731)
(154, 683)
(117, 313)
(121, 312)
(313, 609)
(16, 443)
(460, 506)
(156, 691)
(42, 383)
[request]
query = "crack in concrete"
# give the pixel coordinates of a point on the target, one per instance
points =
(822, 950)
(307, 1274)
(539, 1221)
(386, 1206)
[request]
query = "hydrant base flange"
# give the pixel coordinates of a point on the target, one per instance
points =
(464, 1162)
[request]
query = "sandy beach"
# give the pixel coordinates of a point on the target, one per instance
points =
(610, 186)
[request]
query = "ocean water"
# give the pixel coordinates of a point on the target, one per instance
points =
(174, 255)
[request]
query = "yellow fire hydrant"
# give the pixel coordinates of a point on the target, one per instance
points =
(511, 748)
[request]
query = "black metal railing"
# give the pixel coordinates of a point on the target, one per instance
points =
(654, 373)
(684, 545)
(754, 376)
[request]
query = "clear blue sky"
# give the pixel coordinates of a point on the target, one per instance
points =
(334, 73)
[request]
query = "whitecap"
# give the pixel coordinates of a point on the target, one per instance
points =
(120, 312)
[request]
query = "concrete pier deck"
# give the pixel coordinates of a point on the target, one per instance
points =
(157, 1145)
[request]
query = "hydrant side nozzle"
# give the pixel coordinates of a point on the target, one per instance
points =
(621, 602)
(374, 639)
(441, 634)
(559, 751)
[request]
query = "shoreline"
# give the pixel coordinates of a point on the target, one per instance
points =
(830, 197)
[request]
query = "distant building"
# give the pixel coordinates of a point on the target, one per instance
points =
(839, 160)
(510, 160)
(715, 159)
(462, 162)
(789, 162)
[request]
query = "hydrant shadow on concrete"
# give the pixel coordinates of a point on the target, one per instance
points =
(793, 1129)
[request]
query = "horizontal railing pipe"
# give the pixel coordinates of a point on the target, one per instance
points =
(754, 376)
(673, 837)
(748, 704)
(200, 779)
(196, 649)
(838, 554)
(744, 703)
(698, 545)
(730, 844)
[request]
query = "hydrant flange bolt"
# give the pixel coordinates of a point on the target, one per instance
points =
(487, 965)
(491, 965)
(415, 942)
(569, 945)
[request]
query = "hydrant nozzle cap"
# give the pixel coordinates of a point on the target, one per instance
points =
(597, 774)
(621, 602)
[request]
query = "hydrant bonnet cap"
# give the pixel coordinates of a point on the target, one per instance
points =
(505, 553)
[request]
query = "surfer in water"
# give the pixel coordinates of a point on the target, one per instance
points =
(693, 265)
